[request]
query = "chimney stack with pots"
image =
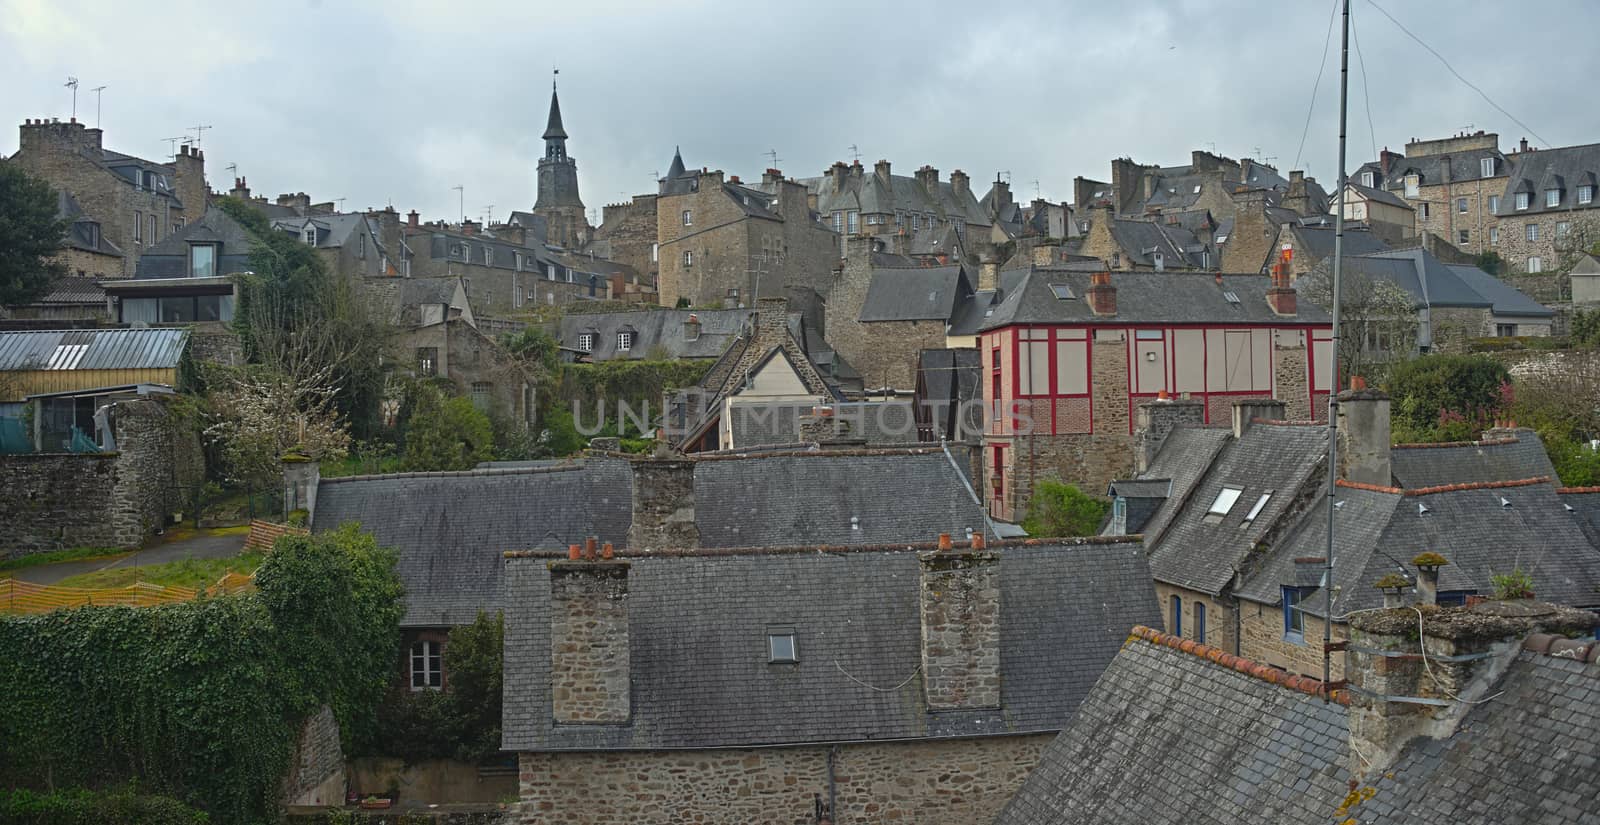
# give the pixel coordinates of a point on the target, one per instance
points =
(1102, 297)
(960, 611)
(413, 219)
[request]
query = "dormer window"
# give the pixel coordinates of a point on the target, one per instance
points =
(1159, 261)
(624, 341)
(202, 260)
(586, 341)
(1586, 194)
(1366, 179)
(781, 646)
(1486, 167)
(1413, 186)
(1522, 200)
(309, 235)
(1552, 198)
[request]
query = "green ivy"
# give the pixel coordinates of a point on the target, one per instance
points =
(122, 806)
(202, 700)
(634, 382)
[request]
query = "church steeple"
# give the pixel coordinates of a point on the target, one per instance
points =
(555, 137)
(558, 200)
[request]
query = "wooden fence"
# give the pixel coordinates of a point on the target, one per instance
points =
(264, 533)
(20, 597)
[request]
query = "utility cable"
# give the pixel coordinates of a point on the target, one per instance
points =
(1323, 64)
(1366, 95)
(914, 672)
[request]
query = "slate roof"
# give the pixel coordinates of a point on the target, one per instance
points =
(93, 349)
(1380, 195)
(1500, 459)
(872, 423)
(451, 528)
(415, 291)
(1505, 298)
(700, 677)
(947, 380)
(1432, 283)
(775, 500)
(1169, 738)
(1464, 166)
(1379, 531)
(333, 231)
(73, 290)
(867, 192)
(1183, 460)
(1201, 552)
(656, 330)
(1141, 240)
(1316, 242)
(170, 257)
(1566, 167)
(1146, 297)
(82, 233)
(916, 294)
(553, 127)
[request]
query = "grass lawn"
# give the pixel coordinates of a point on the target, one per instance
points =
(58, 556)
(191, 573)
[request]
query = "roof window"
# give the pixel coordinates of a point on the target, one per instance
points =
(1226, 498)
(781, 647)
(1231, 297)
(1255, 509)
(1063, 291)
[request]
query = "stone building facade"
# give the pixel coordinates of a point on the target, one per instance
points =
(882, 338)
(627, 235)
(722, 243)
(503, 270)
(479, 368)
(137, 202)
(1453, 185)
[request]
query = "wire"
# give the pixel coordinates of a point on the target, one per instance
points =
(914, 672)
(1458, 74)
(1422, 646)
(1326, 42)
(1372, 133)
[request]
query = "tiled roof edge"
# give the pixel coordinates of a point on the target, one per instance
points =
(1578, 489)
(1481, 485)
(1561, 647)
(688, 552)
(490, 471)
(1487, 442)
(1361, 485)
(726, 455)
(1281, 422)
(1265, 673)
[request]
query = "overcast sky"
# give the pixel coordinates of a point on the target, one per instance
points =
(399, 101)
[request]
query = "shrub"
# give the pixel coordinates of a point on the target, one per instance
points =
(80, 807)
(1585, 327)
(1516, 584)
(1449, 397)
(1576, 464)
(1058, 509)
(446, 434)
(462, 722)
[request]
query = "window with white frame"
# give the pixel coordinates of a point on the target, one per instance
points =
(1366, 179)
(688, 217)
(624, 341)
(1494, 203)
(1424, 205)
(1563, 229)
(138, 226)
(1552, 198)
(688, 257)
(481, 392)
(202, 260)
(488, 256)
(1522, 200)
(427, 671)
(152, 234)
(854, 222)
(309, 235)
(838, 221)
(1531, 232)
(1586, 193)
(1535, 264)
(1494, 235)
(1462, 236)
(586, 341)
(1413, 186)
(1486, 167)
(1226, 498)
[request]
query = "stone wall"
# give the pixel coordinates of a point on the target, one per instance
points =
(960, 613)
(885, 353)
(944, 782)
(629, 229)
(589, 664)
(84, 264)
(1290, 382)
(55, 501)
(316, 772)
(1262, 639)
(215, 344)
(1455, 327)
(1220, 631)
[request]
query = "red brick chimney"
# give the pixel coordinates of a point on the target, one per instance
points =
(413, 219)
(1102, 295)
(1281, 295)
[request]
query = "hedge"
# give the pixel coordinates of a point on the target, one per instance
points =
(81, 807)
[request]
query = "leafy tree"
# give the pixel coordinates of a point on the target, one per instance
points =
(1577, 465)
(1058, 509)
(258, 414)
(536, 347)
(1449, 397)
(446, 434)
(31, 234)
(1380, 319)
(1585, 327)
(1491, 262)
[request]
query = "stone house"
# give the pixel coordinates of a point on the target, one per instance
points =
(186, 278)
(1237, 524)
(348, 244)
(504, 270)
(450, 529)
(1454, 186)
(911, 212)
(914, 683)
(627, 235)
(440, 339)
(1493, 729)
(136, 203)
(880, 317)
(1301, 246)
(723, 243)
(1068, 357)
(948, 400)
(87, 252)
(1548, 217)
(1145, 245)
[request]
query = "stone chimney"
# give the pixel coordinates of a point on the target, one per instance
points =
(1154, 420)
(301, 475)
(240, 189)
(1250, 409)
(590, 680)
(881, 170)
(189, 182)
(691, 328)
(1428, 565)
(928, 178)
(1523, 146)
(1397, 697)
(771, 177)
(469, 227)
(413, 220)
(839, 171)
(1363, 431)
(1386, 160)
(772, 322)
(1102, 297)
(1444, 169)
(960, 183)
(960, 601)
(663, 505)
(295, 200)
(1298, 197)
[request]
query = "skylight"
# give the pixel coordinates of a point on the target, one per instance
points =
(781, 646)
(1063, 291)
(1255, 510)
(1231, 297)
(1225, 501)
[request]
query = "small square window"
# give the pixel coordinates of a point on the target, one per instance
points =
(781, 647)
(1585, 194)
(1563, 228)
(1531, 232)
(586, 341)
(688, 257)
(426, 670)
(1366, 179)
(624, 340)
(1535, 265)
(1461, 205)
(1522, 200)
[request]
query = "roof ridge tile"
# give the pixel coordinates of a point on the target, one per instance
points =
(483, 472)
(1578, 489)
(1253, 669)
(1477, 485)
(713, 552)
(1485, 442)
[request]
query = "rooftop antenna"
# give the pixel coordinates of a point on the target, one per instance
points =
(488, 215)
(341, 204)
(72, 83)
(199, 132)
(1035, 189)
(1004, 174)
(462, 192)
(772, 154)
(233, 170)
(174, 142)
(1212, 145)
(1333, 359)
(97, 90)
(855, 152)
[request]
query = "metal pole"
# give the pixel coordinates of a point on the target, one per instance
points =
(1333, 361)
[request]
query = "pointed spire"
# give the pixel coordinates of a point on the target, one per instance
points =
(676, 170)
(553, 128)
